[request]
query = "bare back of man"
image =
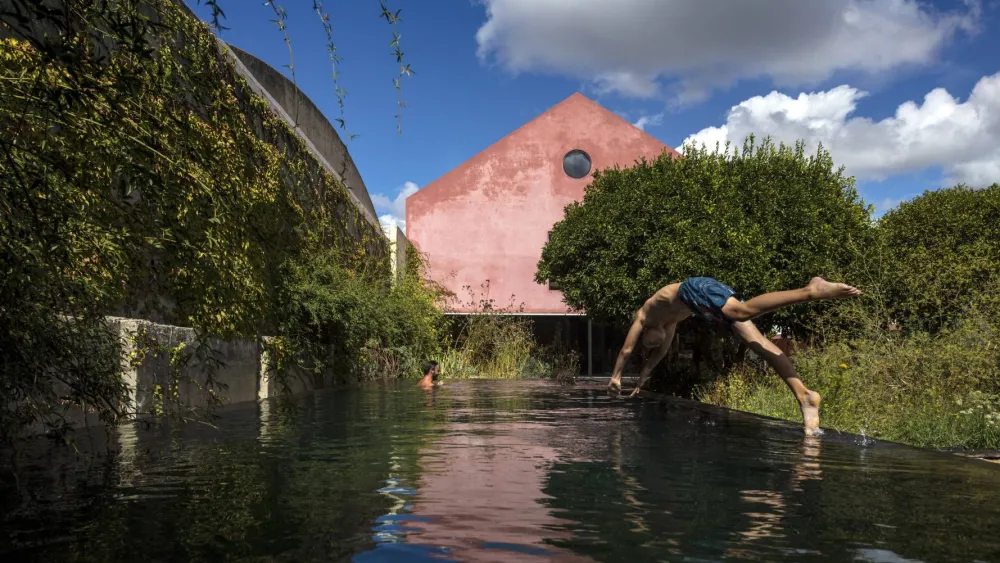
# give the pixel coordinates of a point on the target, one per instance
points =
(656, 321)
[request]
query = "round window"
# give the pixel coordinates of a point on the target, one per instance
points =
(576, 163)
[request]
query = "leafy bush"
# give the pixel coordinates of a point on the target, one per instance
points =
(942, 256)
(764, 219)
(357, 325)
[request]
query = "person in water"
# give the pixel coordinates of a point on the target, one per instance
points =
(431, 370)
(656, 321)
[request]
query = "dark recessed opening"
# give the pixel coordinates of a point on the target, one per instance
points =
(576, 164)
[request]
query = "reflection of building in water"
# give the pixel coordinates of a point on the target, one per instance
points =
(480, 495)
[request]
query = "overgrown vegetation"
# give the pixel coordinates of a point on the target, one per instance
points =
(497, 342)
(142, 177)
(494, 342)
(940, 390)
(354, 323)
(915, 360)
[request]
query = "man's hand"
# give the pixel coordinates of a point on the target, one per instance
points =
(615, 386)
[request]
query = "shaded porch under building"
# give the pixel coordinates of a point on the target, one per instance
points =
(697, 353)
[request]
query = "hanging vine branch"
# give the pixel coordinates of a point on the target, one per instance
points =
(324, 18)
(388, 15)
(217, 14)
(280, 16)
(404, 69)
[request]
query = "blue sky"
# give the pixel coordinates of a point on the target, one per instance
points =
(886, 85)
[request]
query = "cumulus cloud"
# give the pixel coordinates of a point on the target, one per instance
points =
(394, 209)
(389, 224)
(963, 138)
(631, 46)
(647, 120)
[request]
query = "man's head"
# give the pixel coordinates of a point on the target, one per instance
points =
(653, 337)
(431, 368)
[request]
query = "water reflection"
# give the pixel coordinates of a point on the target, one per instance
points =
(492, 471)
(480, 491)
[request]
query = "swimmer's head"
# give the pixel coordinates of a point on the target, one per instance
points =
(653, 337)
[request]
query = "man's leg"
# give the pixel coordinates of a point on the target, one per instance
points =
(817, 290)
(808, 400)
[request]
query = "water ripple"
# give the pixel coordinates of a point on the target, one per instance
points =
(495, 471)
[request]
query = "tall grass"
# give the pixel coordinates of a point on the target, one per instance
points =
(940, 390)
(493, 342)
(498, 342)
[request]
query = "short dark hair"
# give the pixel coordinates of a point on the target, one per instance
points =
(429, 365)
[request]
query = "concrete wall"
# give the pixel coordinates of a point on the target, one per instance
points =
(489, 218)
(242, 371)
(309, 121)
(398, 248)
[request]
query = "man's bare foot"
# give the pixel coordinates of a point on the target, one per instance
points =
(819, 289)
(810, 413)
(614, 387)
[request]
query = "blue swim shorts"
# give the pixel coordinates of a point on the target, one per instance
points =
(705, 297)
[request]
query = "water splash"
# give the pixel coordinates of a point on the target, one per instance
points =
(864, 440)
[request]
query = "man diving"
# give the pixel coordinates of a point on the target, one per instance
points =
(656, 321)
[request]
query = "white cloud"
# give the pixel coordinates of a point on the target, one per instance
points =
(647, 120)
(389, 224)
(963, 138)
(630, 46)
(395, 208)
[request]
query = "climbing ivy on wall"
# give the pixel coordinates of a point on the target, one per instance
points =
(141, 176)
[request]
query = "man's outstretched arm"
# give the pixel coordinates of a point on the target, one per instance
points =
(654, 358)
(630, 341)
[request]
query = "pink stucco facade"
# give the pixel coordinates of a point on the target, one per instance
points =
(488, 219)
(480, 487)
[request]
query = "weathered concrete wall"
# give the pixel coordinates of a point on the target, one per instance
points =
(233, 371)
(241, 371)
(311, 122)
(234, 366)
(304, 117)
(398, 249)
(489, 218)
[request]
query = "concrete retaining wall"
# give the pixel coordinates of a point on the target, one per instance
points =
(240, 371)
(233, 371)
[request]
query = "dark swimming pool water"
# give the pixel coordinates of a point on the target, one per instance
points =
(494, 471)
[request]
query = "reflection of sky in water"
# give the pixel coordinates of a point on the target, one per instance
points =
(882, 556)
(390, 529)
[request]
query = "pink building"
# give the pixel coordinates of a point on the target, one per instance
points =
(488, 219)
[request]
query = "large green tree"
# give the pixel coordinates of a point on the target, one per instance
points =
(760, 219)
(940, 254)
